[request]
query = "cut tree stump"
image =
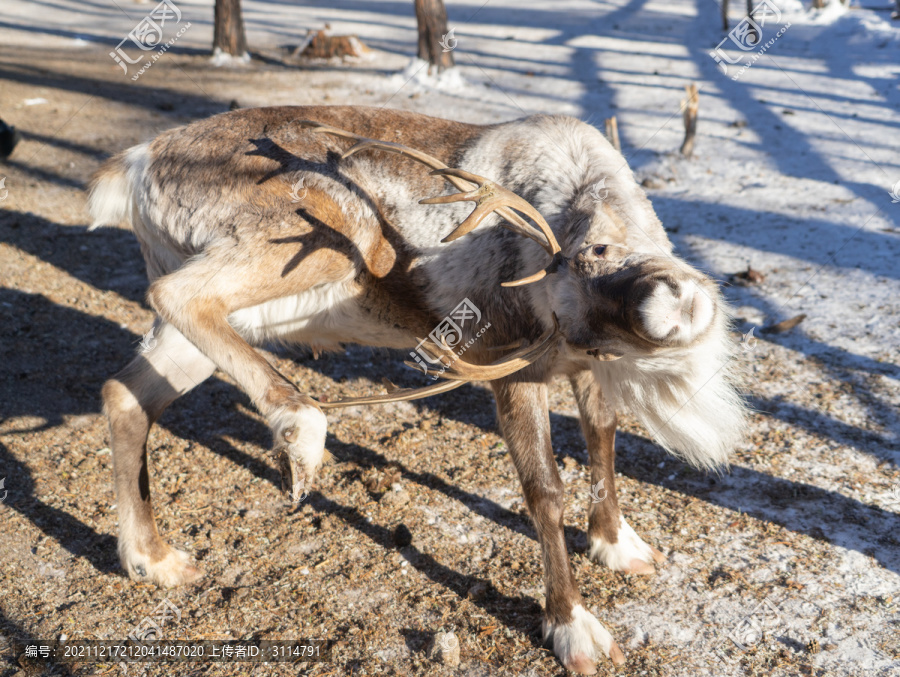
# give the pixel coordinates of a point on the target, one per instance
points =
(612, 133)
(321, 45)
(691, 107)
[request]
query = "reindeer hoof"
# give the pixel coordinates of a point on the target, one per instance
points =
(172, 570)
(299, 449)
(294, 480)
(579, 643)
(629, 554)
(640, 568)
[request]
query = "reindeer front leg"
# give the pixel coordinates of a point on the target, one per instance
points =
(612, 540)
(576, 636)
(198, 299)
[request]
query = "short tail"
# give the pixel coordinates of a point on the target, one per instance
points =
(112, 188)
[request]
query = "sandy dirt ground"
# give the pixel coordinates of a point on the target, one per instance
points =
(788, 563)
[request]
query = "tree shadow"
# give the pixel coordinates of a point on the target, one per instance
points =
(108, 259)
(511, 611)
(827, 516)
(143, 96)
(78, 538)
(17, 663)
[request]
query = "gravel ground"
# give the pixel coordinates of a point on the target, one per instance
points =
(417, 526)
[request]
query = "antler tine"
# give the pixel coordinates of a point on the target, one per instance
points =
(515, 222)
(395, 395)
(490, 197)
(460, 370)
(460, 373)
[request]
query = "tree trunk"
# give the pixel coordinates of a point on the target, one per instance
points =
(228, 31)
(431, 16)
(757, 37)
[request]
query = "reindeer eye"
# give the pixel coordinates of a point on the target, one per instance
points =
(599, 249)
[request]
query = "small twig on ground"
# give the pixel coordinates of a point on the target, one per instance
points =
(784, 326)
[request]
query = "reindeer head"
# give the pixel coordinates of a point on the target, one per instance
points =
(620, 302)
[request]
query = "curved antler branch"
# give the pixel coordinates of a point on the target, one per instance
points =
(489, 196)
(460, 372)
(395, 395)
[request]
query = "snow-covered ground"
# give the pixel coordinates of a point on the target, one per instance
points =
(795, 163)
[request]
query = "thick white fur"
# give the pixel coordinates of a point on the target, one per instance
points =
(324, 316)
(617, 556)
(112, 196)
(584, 635)
(688, 314)
(685, 397)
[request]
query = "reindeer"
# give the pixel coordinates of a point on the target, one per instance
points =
(574, 283)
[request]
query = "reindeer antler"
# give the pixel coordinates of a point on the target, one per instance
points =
(488, 196)
(460, 372)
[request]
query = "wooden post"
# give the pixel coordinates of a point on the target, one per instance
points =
(691, 107)
(228, 28)
(612, 133)
(431, 17)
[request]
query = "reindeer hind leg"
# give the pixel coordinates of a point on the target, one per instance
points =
(168, 366)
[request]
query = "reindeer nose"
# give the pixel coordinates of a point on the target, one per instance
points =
(677, 317)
